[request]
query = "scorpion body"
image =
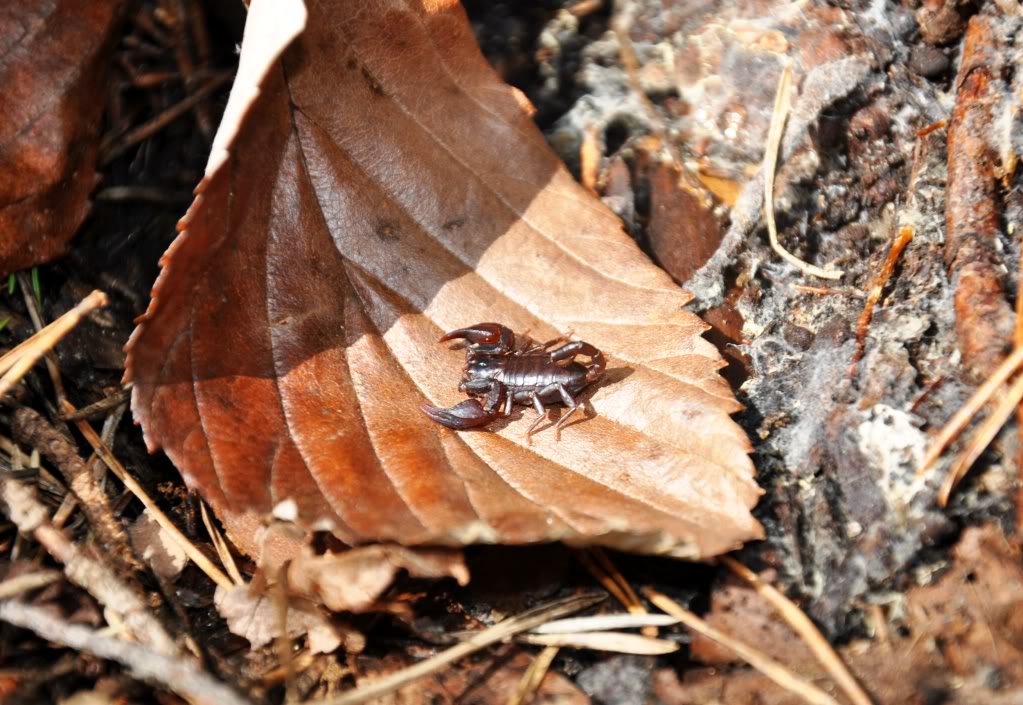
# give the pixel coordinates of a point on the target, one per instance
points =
(497, 375)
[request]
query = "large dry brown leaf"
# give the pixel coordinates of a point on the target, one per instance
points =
(53, 64)
(385, 187)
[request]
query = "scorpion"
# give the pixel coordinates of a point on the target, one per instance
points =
(497, 375)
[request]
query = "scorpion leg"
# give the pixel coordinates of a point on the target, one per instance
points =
(568, 401)
(541, 413)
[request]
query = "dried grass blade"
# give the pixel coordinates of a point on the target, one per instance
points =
(769, 667)
(982, 439)
(961, 418)
(16, 364)
(618, 642)
(806, 629)
(492, 635)
(774, 137)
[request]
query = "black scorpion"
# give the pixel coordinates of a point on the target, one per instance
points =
(498, 375)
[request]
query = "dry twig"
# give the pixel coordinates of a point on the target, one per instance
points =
(33, 430)
(30, 517)
(29, 581)
(178, 675)
(1018, 342)
(197, 556)
(153, 126)
(973, 217)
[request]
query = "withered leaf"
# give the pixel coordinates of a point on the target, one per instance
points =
(385, 187)
(353, 580)
(253, 616)
(53, 65)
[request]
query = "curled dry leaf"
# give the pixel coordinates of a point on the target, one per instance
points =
(253, 616)
(53, 65)
(385, 187)
(352, 581)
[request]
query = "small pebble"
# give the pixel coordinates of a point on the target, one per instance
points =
(928, 62)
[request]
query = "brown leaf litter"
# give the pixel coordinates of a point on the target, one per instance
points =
(957, 639)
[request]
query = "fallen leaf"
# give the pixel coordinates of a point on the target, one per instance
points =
(54, 58)
(683, 230)
(253, 616)
(379, 187)
(353, 580)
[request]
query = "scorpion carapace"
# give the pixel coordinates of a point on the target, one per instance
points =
(497, 375)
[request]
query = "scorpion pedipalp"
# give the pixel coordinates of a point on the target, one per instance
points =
(492, 337)
(467, 414)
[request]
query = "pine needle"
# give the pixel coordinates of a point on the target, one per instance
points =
(774, 137)
(962, 417)
(533, 677)
(197, 556)
(16, 363)
(806, 630)
(760, 661)
(982, 439)
(499, 632)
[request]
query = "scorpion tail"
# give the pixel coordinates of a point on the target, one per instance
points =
(468, 414)
(596, 367)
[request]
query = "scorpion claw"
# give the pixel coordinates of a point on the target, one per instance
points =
(493, 336)
(467, 414)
